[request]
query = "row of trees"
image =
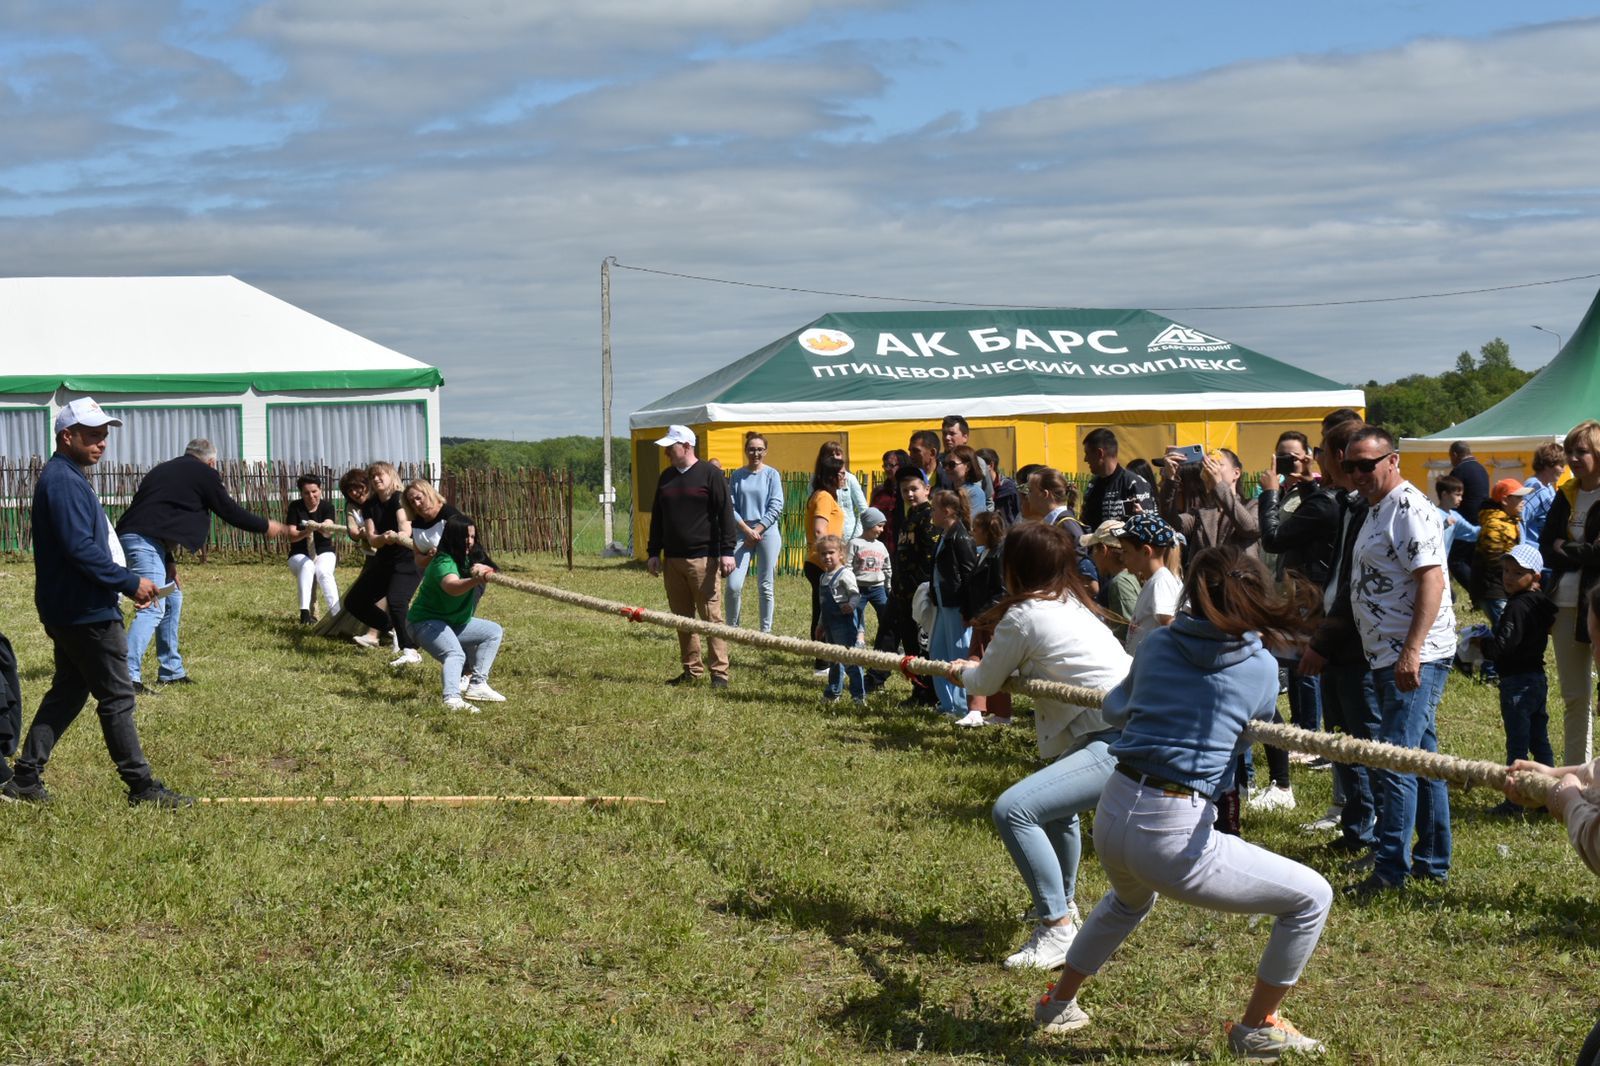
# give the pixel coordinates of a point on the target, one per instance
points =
(1413, 406)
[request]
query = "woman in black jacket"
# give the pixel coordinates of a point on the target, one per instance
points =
(954, 559)
(1570, 544)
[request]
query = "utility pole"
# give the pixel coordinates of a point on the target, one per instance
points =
(608, 491)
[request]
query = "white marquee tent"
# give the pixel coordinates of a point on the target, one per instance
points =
(182, 357)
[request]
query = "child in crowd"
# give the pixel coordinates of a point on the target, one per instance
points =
(915, 543)
(985, 588)
(1192, 689)
(1516, 647)
(838, 620)
(1450, 490)
(1498, 532)
(1150, 551)
(954, 559)
(1119, 589)
(1045, 628)
(873, 566)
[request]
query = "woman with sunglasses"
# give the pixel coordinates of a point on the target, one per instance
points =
(960, 470)
(1570, 544)
(757, 492)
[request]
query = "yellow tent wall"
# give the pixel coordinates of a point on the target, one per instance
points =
(1424, 465)
(1053, 440)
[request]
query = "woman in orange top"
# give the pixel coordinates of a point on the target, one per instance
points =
(824, 518)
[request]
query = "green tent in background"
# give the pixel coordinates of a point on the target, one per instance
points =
(1564, 393)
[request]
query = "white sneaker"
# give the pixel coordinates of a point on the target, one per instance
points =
(366, 640)
(820, 675)
(1270, 1041)
(1045, 948)
(1328, 823)
(972, 719)
(1059, 1016)
(456, 703)
(480, 690)
(1272, 798)
(1301, 758)
(409, 657)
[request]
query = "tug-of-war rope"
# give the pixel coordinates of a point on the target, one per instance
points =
(1334, 747)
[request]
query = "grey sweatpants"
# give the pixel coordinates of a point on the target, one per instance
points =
(1150, 841)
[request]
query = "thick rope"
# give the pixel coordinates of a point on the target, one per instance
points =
(1332, 746)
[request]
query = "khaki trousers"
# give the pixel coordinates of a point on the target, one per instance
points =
(1574, 669)
(694, 589)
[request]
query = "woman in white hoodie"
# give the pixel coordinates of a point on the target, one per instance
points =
(1047, 628)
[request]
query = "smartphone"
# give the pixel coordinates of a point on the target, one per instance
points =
(1284, 465)
(1189, 453)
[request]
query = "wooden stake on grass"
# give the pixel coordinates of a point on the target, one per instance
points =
(434, 801)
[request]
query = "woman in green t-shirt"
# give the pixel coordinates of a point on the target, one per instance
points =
(441, 617)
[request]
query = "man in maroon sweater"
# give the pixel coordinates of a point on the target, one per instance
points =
(691, 521)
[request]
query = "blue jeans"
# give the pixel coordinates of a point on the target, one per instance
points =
(160, 620)
(878, 596)
(1407, 803)
(1523, 699)
(472, 646)
(767, 557)
(1350, 706)
(950, 639)
(1305, 699)
(842, 631)
(1038, 822)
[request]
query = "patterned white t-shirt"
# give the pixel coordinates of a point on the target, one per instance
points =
(1402, 533)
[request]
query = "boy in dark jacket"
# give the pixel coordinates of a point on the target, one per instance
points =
(1516, 647)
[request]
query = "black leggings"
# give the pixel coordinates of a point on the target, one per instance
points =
(385, 579)
(813, 574)
(1590, 1055)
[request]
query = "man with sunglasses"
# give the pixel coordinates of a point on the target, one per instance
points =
(1401, 600)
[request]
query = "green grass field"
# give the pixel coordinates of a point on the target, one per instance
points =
(822, 885)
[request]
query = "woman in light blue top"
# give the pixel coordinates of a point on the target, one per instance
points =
(757, 491)
(852, 499)
(962, 472)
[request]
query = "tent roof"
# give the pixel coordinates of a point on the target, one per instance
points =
(867, 366)
(1564, 393)
(181, 334)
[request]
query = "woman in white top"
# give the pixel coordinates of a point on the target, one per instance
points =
(1047, 628)
(1570, 544)
(1150, 551)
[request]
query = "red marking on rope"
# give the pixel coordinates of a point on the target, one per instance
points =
(633, 614)
(905, 667)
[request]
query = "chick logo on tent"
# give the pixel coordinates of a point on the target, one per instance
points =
(826, 341)
(1186, 339)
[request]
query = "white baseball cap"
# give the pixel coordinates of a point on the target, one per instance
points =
(677, 435)
(84, 412)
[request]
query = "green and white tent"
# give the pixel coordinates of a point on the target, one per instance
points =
(1564, 393)
(182, 357)
(868, 366)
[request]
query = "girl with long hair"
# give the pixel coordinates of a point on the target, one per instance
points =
(1046, 628)
(442, 617)
(391, 574)
(954, 559)
(1192, 689)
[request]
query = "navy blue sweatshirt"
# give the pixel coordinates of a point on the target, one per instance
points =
(175, 503)
(1517, 644)
(76, 580)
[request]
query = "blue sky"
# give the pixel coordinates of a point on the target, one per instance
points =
(447, 178)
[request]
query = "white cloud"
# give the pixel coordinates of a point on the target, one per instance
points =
(477, 245)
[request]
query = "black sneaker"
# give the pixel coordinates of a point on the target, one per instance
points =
(1372, 886)
(142, 689)
(306, 619)
(685, 678)
(158, 795)
(719, 682)
(16, 790)
(184, 680)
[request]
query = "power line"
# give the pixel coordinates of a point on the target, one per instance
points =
(1196, 307)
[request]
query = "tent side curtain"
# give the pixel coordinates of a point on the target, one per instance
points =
(151, 435)
(342, 435)
(24, 433)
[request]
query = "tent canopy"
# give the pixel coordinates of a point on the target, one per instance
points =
(846, 367)
(1564, 393)
(181, 334)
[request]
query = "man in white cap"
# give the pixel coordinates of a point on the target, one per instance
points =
(76, 581)
(691, 522)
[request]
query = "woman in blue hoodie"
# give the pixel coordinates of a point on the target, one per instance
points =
(1193, 688)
